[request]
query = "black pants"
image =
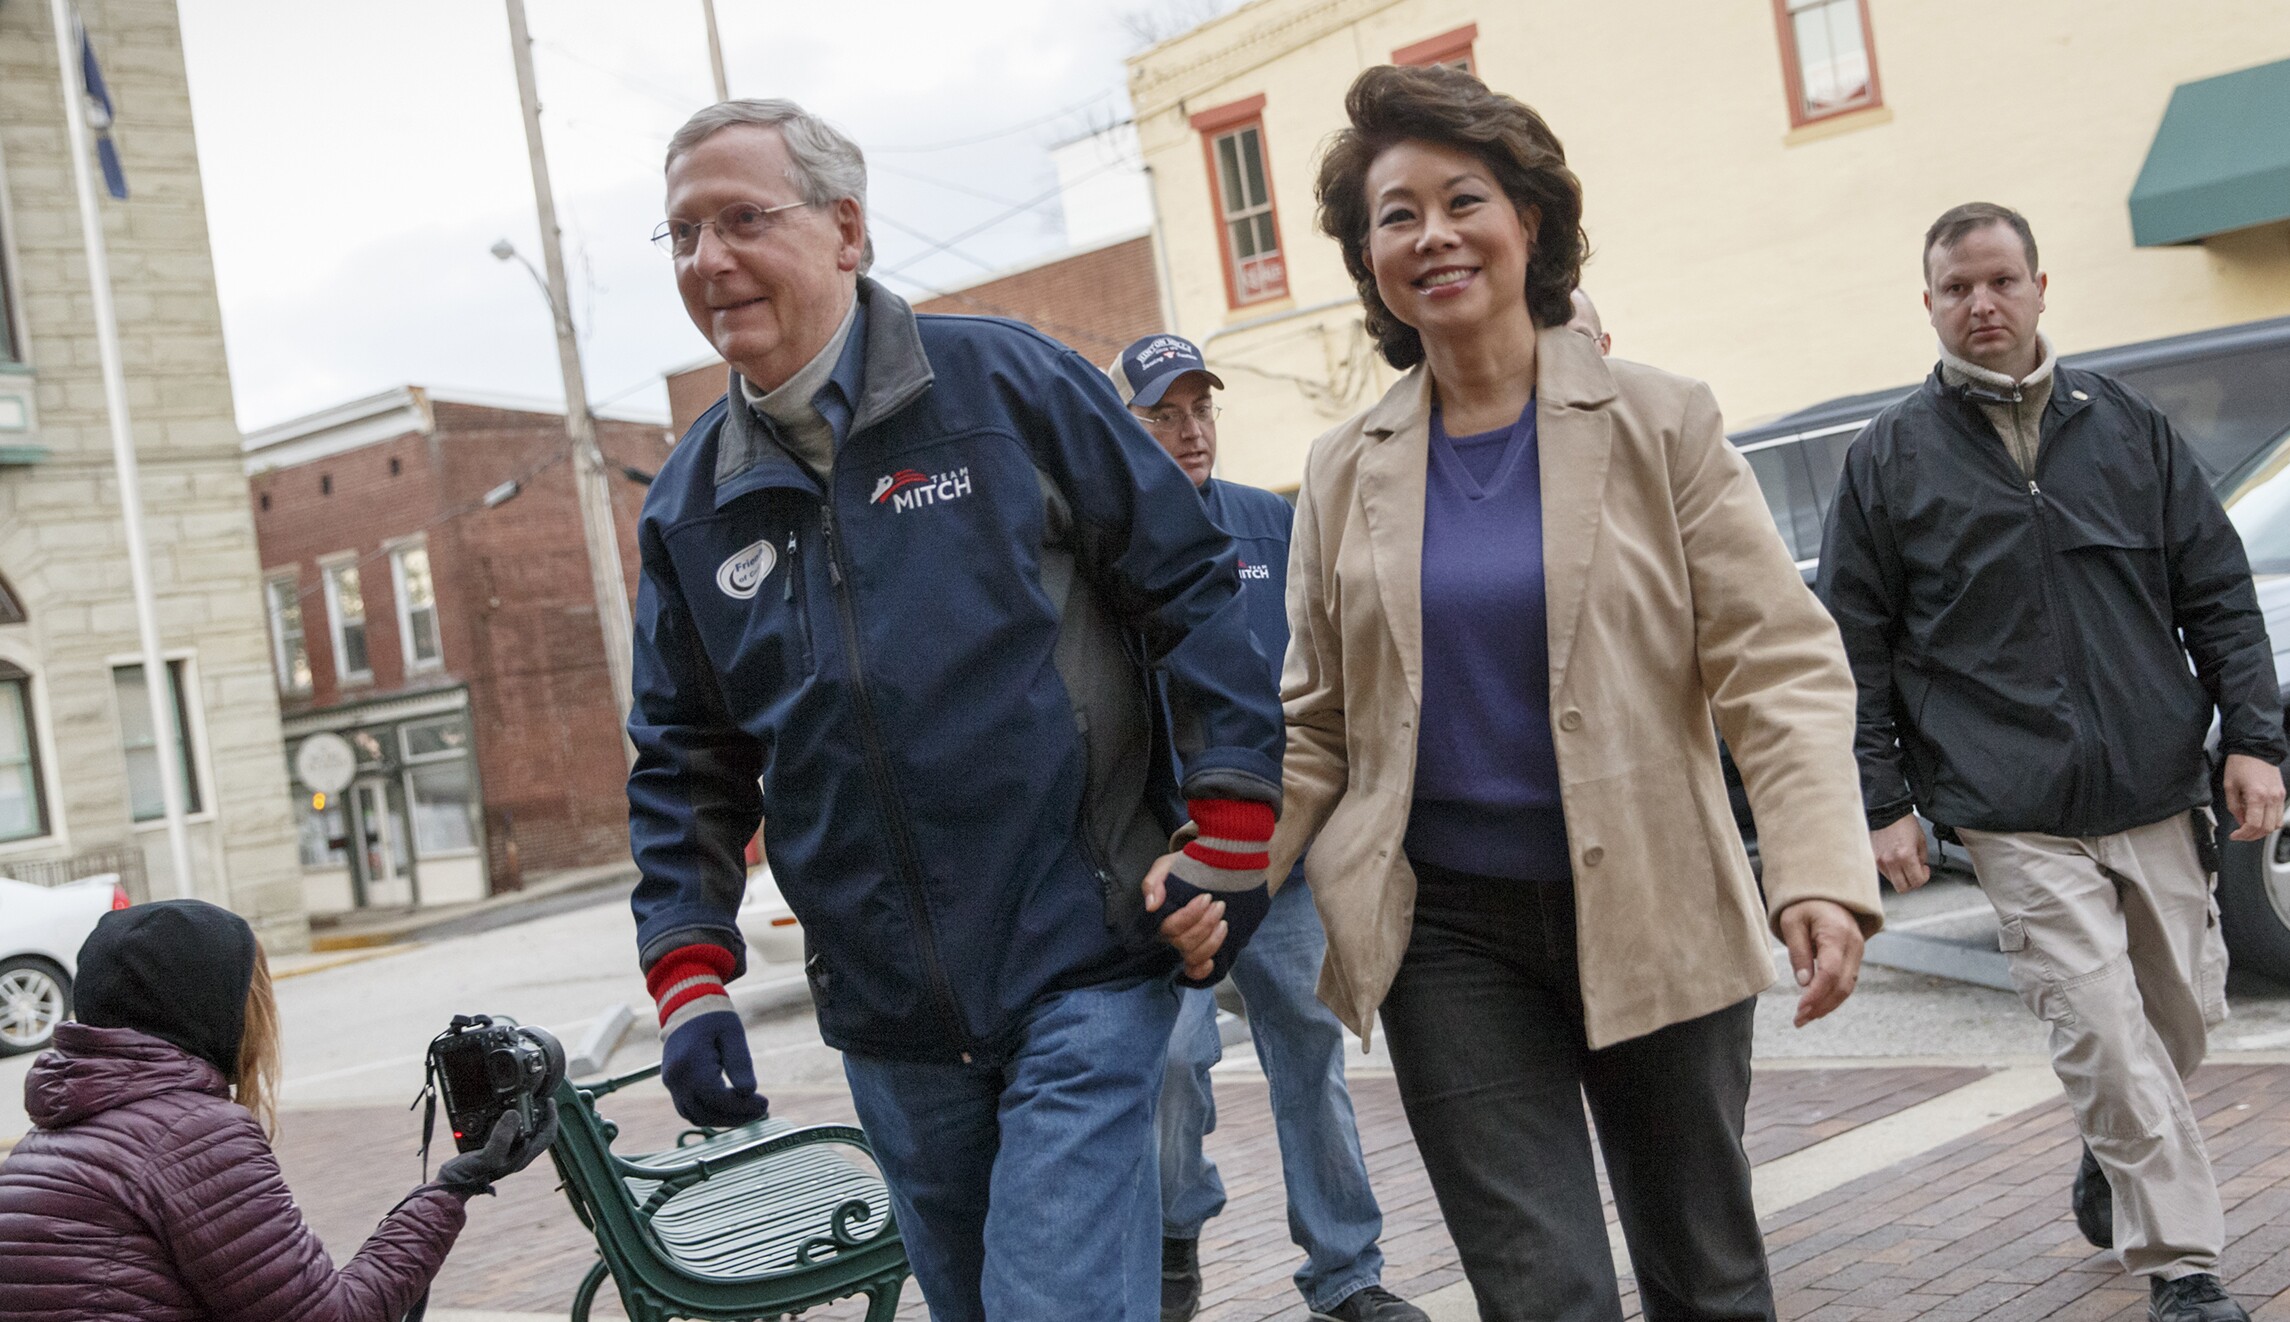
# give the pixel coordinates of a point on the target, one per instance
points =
(1487, 1041)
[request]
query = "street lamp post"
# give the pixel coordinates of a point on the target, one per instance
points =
(597, 526)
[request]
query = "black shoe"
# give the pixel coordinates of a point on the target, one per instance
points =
(1180, 1279)
(2196, 1298)
(1373, 1303)
(2094, 1202)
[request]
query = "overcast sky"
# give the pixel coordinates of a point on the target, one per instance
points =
(360, 159)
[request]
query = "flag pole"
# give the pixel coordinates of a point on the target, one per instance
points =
(155, 674)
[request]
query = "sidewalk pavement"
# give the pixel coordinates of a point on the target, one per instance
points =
(1935, 1190)
(331, 935)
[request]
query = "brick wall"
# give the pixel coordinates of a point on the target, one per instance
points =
(1096, 301)
(517, 617)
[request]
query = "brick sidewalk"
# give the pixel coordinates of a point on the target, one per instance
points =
(524, 1251)
(1979, 1228)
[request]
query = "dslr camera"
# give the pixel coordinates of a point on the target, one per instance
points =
(485, 1066)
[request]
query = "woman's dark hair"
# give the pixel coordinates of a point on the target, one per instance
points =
(1389, 105)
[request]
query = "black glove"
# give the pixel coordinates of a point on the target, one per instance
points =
(508, 1149)
(709, 1073)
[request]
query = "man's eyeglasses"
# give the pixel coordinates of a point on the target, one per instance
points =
(739, 224)
(1173, 420)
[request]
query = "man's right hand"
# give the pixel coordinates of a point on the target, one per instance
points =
(709, 1074)
(1900, 853)
(704, 1060)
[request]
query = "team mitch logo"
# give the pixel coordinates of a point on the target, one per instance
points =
(1248, 570)
(743, 573)
(909, 489)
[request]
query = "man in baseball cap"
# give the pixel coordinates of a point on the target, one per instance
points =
(1332, 1211)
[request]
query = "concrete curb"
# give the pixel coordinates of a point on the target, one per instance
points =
(554, 896)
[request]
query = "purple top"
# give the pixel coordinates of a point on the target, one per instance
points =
(1486, 772)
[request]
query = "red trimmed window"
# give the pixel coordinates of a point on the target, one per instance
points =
(1451, 49)
(1240, 183)
(1827, 57)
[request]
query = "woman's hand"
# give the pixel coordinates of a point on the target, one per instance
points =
(1197, 930)
(1824, 942)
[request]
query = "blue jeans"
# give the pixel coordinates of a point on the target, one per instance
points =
(1028, 1191)
(1332, 1213)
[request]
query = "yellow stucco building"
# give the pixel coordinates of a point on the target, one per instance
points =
(1758, 175)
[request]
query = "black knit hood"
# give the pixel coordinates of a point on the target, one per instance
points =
(177, 970)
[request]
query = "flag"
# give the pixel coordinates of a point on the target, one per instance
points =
(99, 118)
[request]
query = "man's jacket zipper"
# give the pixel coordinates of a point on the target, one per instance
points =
(886, 790)
(2079, 676)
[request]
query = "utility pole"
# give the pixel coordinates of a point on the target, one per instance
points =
(597, 527)
(716, 52)
(158, 687)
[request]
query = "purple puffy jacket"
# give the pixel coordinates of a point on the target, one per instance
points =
(145, 1193)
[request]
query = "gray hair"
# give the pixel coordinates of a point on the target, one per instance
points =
(825, 166)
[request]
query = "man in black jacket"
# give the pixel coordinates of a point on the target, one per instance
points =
(2023, 558)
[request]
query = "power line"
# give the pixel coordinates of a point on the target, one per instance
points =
(682, 101)
(995, 198)
(948, 248)
(1010, 214)
(952, 143)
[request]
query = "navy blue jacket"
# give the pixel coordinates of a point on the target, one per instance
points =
(938, 668)
(1260, 524)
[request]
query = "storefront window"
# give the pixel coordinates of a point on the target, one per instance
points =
(321, 832)
(444, 807)
(441, 789)
(23, 814)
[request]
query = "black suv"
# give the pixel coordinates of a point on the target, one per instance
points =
(2228, 391)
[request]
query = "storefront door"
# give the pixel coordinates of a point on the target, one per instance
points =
(378, 829)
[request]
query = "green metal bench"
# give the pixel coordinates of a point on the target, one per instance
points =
(762, 1221)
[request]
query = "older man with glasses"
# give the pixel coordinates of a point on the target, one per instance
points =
(1332, 1213)
(905, 583)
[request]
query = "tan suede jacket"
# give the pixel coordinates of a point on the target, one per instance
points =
(1670, 599)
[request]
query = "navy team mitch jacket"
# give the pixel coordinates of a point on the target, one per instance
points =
(940, 669)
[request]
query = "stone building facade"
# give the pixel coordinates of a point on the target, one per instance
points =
(430, 607)
(79, 773)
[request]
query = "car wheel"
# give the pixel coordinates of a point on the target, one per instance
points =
(35, 996)
(2254, 903)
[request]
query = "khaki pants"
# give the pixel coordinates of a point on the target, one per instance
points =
(2114, 942)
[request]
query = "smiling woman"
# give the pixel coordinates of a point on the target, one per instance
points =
(1499, 731)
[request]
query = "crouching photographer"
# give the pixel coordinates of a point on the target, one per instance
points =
(149, 1190)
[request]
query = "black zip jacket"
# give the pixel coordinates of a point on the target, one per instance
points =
(2022, 644)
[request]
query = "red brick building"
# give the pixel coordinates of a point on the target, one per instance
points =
(1096, 300)
(430, 606)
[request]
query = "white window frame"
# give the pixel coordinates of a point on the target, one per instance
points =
(195, 752)
(328, 566)
(398, 550)
(12, 315)
(1233, 212)
(44, 740)
(291, 579)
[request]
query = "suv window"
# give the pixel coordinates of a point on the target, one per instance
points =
(1788, 486)
(2226, 405)
(2260, 508)
(1799, 477)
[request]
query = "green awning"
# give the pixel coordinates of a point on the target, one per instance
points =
(21, 454)
(2220, 161)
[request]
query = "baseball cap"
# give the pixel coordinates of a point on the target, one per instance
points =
(1146, 368)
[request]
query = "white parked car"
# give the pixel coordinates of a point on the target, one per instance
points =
(768, 924)
(41, 931)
